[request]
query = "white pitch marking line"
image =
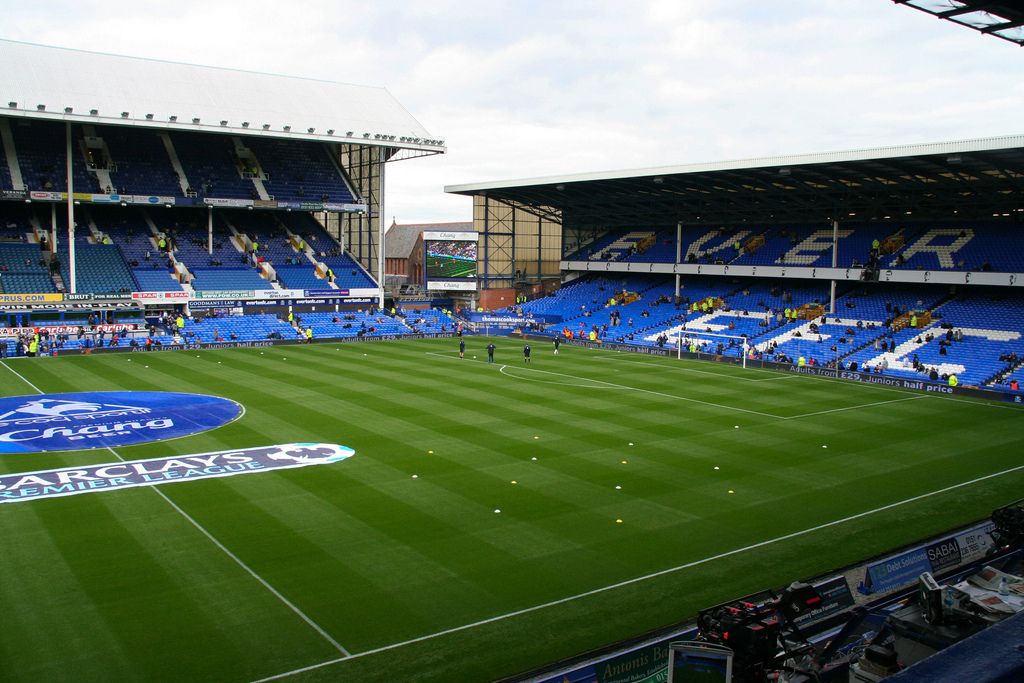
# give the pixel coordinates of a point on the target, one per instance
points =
(302, 615)
(288, 603)
(557, 382)
(629, 388)
(38, 390)
(666, 366)
(863, 405)
(646, 577)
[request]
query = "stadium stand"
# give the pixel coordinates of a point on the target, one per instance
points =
(141, 163)
(300, 171)
(211, 166)
(975, 246)
(353, 324)
(237, 328)
(206, 279)
(982, 338)
(21, 269)
(156, 281)
(428, 321)
(42, 158)
(99, 268)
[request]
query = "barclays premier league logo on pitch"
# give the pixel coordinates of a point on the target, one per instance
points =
(69, 422)
(70, 481)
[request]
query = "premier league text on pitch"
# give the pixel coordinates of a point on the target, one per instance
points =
(68, 422)
(70, 481)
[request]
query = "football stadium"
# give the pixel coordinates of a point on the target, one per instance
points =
(739, 420)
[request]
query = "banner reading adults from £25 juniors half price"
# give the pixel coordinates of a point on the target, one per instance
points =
(77, 421)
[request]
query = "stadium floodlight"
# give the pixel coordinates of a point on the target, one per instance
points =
(223, 122)
(172, 118)
(41, 107)
(310, 130)
(366, 135)
(195, 119)
(330, 131)
(124, 203)
(287, 129)
(94, 112)
(245, 124)
(348, 133)
(266, 126)
(12, 105)
(124, 115)
(68, 110)
(149, 117)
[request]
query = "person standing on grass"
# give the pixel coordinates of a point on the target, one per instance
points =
(526, 354)
(558, 342)
(490, 352)
(462, 348)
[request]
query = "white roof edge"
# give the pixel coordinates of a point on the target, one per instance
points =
(230, 129)
(889, 152)
(66, 84)
(171, 62)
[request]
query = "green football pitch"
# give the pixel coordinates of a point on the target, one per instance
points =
(633, 491)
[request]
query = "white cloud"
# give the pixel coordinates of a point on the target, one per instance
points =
(529, 88)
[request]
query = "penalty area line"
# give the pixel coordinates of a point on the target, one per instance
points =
(213, 539)
(23, 379)
(646, 577)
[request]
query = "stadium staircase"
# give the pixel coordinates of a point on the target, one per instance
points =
(12, 178)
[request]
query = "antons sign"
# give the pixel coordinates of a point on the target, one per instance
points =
(69, 422)
(69, 481)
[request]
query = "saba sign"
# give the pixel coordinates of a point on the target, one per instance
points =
(71, 422)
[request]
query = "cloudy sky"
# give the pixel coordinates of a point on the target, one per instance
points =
(532, 88)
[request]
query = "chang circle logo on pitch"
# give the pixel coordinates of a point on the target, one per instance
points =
(70, 422)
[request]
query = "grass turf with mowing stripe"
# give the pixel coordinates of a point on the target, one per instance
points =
(120, 585)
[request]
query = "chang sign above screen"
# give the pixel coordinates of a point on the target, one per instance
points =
(450, 255)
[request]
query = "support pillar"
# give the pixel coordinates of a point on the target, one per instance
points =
(380, 242)
(835, 260)
(71, 213)
(53, 227)
(679, 252)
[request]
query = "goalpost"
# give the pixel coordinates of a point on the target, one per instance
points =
(688, 337)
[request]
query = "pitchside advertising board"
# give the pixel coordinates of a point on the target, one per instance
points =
(900, 571)
(111, 476)
(109, 419)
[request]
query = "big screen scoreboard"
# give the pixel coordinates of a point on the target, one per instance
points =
(450, 260)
